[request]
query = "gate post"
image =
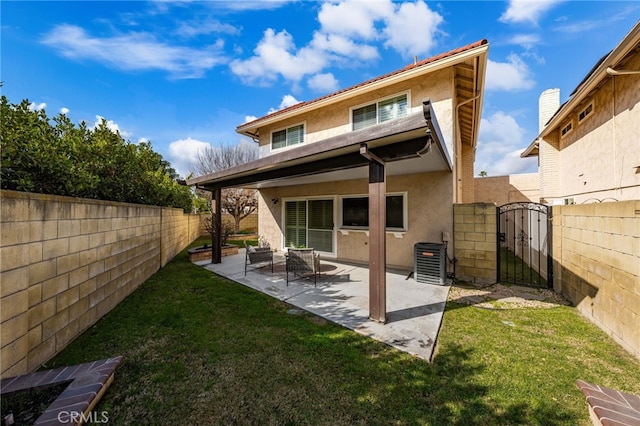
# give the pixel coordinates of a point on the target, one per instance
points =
(550, 246)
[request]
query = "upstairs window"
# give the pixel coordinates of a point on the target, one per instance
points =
(287, 137)
(566, 129)
(585, 113)
(379, 112)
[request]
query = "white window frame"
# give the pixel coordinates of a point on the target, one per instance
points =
(284, 148)
(587, 114)
(306, 200)
(405, 212)
(376, 102)
(562, 130)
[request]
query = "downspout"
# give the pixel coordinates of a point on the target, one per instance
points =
(458, 166)
(457, 160)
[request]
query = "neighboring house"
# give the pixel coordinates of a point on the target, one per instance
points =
(589, 151)
(523, 187)
(365, 173)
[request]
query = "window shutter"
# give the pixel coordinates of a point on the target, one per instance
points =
(391, 109)
(295, 223)
(364, 117)
(279, 139)
(295, 135)
(321, 225)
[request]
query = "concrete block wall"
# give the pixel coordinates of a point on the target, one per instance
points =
(178, 230)
(474, 230)
(596, 253)
(66, 262)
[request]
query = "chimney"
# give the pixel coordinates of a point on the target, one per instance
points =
(548, 104)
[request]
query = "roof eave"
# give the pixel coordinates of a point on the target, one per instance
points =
(250, 129)
(627, 44)
(531, 151)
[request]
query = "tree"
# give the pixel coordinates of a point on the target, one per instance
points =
(54, 156)
(225, 230)
(238, 202)
(483, 174)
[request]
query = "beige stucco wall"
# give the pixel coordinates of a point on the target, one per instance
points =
(65, 262)
(429, 199)
(596, 256)
(599, 158)
(507, 189)
(335, 119)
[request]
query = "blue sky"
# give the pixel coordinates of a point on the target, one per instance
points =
(185, 74)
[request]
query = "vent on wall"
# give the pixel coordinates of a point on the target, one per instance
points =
(430, 265)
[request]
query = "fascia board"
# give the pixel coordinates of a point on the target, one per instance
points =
(407, 75)
(626, 45)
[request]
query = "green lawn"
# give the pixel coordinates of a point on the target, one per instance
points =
(514, 270)
(200, 349)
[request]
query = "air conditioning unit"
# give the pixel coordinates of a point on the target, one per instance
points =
(430, 263)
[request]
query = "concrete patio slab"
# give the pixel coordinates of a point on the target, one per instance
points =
(414, 310)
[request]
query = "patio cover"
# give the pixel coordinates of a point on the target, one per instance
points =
(334, 158)
(412, 144)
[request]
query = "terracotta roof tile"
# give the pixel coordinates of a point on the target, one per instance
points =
(373, 80)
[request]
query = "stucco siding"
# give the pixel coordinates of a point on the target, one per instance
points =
(507, 189)
(335, 119)
(429, 213)
(599, 158)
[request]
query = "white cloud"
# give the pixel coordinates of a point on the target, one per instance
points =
(527, 10)
(134, 52)
(528, 41)
(210, 26)
(339, 47)
(250, 4)
(64, 110)
(250, 118)
(276, 55)
(37, 107)
(287, 101)
(325, 83)
(347, 30)
(183, 154)
(500, 143)
(508, 76)
(111, 125)
(412, 29)
(354, 18)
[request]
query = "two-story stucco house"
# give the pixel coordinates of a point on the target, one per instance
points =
(589, 150)
(365, 173)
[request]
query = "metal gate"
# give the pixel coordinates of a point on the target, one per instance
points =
(524, 244)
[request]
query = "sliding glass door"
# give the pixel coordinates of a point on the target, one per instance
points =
(309, 223)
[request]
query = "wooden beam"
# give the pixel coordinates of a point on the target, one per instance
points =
(216, 250)
(377, 243)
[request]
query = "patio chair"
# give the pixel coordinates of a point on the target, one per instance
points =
(257, 255)
(303, 262)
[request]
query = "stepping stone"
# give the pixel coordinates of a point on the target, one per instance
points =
(530, 296)
(512, 300)
(473, 299)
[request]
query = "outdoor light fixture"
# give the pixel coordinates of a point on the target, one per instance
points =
(274, 201)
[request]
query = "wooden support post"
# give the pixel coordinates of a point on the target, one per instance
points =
(377, 242)
(216, 249)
